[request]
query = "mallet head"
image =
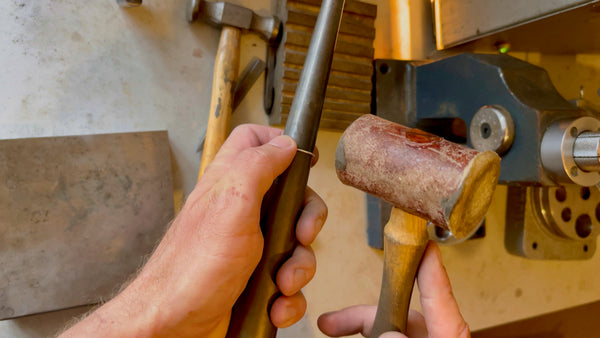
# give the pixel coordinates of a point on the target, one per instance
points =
(443, 182)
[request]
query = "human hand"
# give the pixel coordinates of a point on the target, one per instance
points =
(201, 266)
(441, 316)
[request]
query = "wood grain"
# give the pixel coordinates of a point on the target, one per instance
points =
(350, 82)
(404, 244)
(224, 77)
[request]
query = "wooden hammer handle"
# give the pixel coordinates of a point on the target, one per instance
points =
(405, 241)
(224, 78)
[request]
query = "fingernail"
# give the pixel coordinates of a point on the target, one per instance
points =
(290, 314)
(282, 142)
(300, 277)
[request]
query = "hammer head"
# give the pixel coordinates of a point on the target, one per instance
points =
(446, 183)
(223, 13)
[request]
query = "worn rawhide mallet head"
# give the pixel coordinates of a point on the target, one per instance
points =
(446, 183)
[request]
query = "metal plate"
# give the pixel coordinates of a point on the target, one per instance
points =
(78, 215)
(570, 211)
(529, 235)
(526, 25)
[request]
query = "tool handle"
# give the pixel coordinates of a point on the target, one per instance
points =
(224, 78)
(283, 202)
(281, 206)
(404, 244)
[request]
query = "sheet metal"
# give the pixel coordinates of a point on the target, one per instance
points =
(78, 214)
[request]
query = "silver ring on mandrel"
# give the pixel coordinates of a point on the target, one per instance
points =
(306, 152)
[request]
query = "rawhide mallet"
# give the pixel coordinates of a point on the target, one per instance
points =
(426, 178)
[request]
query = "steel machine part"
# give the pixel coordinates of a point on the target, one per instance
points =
(547, 27)
(348, 94)
(570, 151)
(492, 128)
(509, 106)
(425, 178)
(250, 316)
(79, 214)
(553, 222)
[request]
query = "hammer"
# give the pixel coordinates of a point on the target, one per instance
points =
(232, 19)
(426, 178)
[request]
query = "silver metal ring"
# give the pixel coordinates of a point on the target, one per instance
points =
(306, 152)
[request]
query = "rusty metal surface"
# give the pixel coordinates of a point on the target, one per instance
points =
(78, 215)
(349, 90)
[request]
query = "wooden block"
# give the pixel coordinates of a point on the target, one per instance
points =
(349, 88)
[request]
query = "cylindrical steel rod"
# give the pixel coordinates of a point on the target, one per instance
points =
(282, 204)
(305, 113)
(586, 151)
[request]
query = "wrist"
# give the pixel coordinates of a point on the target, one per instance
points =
(126, 315)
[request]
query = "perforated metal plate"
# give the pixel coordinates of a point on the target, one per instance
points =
(552, 223)
(570, 211)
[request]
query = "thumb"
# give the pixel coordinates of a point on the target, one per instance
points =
(255, 168)
(442, 316)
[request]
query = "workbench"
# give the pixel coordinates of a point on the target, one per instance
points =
(75, 68)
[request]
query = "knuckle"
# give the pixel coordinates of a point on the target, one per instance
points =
(242, 128)
(257, 156)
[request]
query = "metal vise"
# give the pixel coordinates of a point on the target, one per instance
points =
(549, 146)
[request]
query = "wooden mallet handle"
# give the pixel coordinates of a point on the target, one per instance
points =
(405, 240)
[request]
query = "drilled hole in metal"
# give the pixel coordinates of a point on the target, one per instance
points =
(561, 194)
(574, 171)
(486, 130)
(534, 245)
(566, 214)
(585, 248)
(384, 68)
(585, 193)
(583, 226)
(574, 132)
(441, 233)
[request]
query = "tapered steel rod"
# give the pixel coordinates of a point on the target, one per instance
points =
(281, 206)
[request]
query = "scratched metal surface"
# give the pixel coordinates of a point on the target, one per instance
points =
(78, 215)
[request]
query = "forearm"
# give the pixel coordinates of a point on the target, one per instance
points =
(123, 316)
